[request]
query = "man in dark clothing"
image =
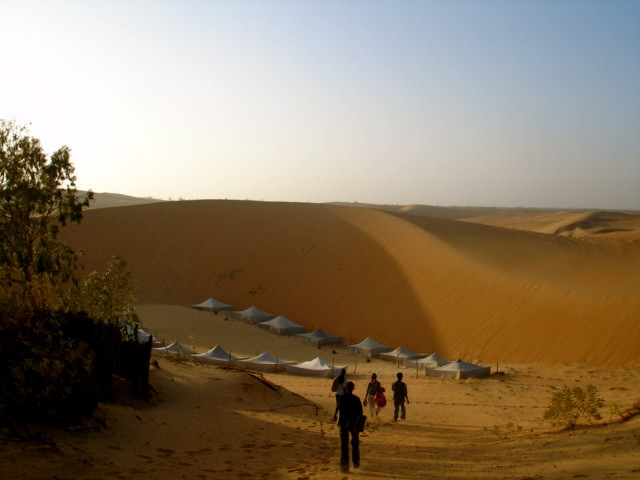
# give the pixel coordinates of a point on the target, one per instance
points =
(350, 409)
(399, 395)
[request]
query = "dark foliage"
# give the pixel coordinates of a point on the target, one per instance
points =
(55, 366)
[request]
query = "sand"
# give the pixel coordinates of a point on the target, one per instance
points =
(479, 292)
(552, 300)
(207, 422)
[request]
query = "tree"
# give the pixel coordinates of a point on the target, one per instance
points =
(38, 196)
(109, 296)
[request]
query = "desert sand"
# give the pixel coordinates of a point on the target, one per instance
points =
(465, 290)
(547, 302)
(207, 422)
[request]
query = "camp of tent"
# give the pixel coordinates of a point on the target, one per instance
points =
(432, 364)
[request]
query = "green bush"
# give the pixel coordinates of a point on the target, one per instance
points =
(573, 405)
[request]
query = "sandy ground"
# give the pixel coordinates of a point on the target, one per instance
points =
(484, 293)
(546, 300)
(207, 422)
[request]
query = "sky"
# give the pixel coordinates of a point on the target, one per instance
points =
(514, 103)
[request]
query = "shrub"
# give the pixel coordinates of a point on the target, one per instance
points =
(573, 405)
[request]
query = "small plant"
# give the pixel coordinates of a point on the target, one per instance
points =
(192, 341)
(509, 429)
(572, 405)
(614, 409)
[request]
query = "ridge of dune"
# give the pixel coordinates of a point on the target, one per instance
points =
(461, 289)
(567, 223)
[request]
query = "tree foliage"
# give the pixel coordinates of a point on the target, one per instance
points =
(38, 196)
(570, 406)
(110, 296)
(55, 363)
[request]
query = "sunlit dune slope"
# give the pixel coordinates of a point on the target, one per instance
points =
(461, 289)
(576, 224)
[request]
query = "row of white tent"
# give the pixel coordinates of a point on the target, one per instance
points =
(277, 323)
(264, 362)
(433, 364)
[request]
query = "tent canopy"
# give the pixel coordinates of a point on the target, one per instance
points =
(213, 305)
(459, 370)
(264, 363)
(401, 353)
(319, 337)
(217, 356)
(315, 368)
(283, 326)
(431, 361)
(175, 349)
(369, 347)
(253, 315)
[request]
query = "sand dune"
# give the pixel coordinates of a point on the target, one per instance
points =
(461, 289)
(210, 423)
(577, 224)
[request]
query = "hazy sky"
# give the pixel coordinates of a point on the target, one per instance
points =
(494, 103)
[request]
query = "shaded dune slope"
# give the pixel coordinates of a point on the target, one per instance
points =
(461, 289)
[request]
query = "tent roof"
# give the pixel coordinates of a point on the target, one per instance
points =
(318, 335)
(280, 322)
(174, 348)
(217, 353)
(369, 344)
(212, 303)
(402, 352)
(266, 358)
(315, 367)
(433, 358)
(253, 312)
(317, 363)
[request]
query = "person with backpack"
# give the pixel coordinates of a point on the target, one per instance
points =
(400, 393)
(338, 386)
(375, 395)
(351, 423)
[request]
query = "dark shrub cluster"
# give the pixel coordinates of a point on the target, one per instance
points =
(56, 366)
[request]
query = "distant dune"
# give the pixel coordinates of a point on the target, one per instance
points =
(106, 200)
(462, 289)
(577, 223)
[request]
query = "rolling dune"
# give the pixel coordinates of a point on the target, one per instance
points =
(462, 289)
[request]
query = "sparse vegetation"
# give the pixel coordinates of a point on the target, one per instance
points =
(62, 340)
(224, 276)
(570, 406)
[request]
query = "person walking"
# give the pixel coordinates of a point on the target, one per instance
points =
(338, 386)
(350, 411)
(373, 389)
(400, 394)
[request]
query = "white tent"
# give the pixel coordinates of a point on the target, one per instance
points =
(432, 361)
(252, 315)
(458, 370)
(369, 347)
(264, 363)
(173, 350)
(143, 337)
(315, 368)
(217, 356)
(400, 354)
(319, 337)
(213, 305)
(283, 326)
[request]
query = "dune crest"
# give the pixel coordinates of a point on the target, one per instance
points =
(431, 284)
